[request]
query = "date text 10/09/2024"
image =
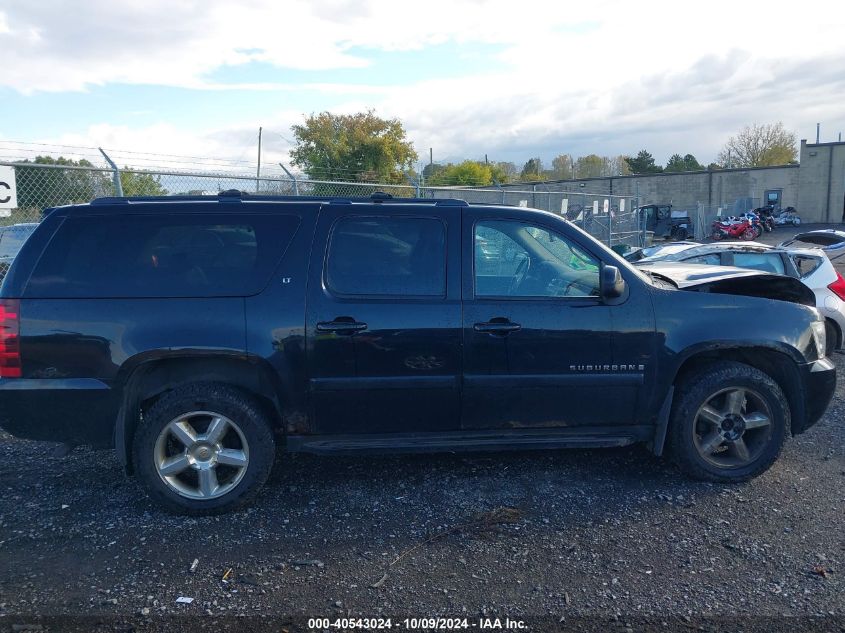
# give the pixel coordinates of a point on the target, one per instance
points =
(424, 624)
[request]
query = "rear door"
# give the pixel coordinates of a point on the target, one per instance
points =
(384, 319)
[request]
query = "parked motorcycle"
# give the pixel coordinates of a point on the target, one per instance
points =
(788, 216)
(766, 213)
(755, 221)
(733, 228)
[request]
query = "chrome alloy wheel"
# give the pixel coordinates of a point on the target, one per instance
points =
(201, 455)
(732, 427)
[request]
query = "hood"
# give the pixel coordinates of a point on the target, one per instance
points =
(732, 281)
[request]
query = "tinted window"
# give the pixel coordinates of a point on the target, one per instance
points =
(387, 256)
(13, 237)
(768, 262)
(162, 256)
(514, 259)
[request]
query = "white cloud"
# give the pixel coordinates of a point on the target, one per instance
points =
(608, 76)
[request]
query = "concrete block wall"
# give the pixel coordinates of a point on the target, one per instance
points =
(822, 186)
(687, 190)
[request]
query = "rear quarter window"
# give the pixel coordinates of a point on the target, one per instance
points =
(161, 255)
(806, 264)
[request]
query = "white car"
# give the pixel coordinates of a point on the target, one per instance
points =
(810, 265)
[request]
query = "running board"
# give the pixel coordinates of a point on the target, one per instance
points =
(523, 439)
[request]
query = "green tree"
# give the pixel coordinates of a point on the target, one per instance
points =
(532, 170)
(135, 183)
(49, 186)
(358, 147)
(562, 168)
(760, 146)
(591, 166)
(643, 164)
(678, 163)
(467, 173)
(504, 171)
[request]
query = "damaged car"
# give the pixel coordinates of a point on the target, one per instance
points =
(810, 264)
(196, 335)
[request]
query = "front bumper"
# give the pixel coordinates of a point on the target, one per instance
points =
(818, 382)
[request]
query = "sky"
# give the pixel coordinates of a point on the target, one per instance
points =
(188, 82)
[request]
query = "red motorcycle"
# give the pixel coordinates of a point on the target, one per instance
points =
(733, 229)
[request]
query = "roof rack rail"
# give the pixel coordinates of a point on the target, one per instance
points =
(236, 195)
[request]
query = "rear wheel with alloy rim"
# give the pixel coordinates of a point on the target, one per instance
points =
(204, 449)
(729, 422)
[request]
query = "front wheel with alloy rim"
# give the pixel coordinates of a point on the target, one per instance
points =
(204, 448)
(729, 422)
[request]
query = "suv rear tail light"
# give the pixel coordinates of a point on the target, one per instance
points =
(838, 286)
(10, 345)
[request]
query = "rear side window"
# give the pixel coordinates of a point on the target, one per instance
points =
(767, 262)
(13, 237)
(806, 264)
(390, 256)
(161, 256)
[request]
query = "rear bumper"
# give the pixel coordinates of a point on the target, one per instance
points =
(818, 382)
(75, 410)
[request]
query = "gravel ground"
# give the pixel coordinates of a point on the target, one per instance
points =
(543, 535)
(553, 538)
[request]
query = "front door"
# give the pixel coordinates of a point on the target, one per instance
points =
(538, 338)
(384, 319)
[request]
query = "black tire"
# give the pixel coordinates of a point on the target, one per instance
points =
(685, 427)
(681, 234)
(246, 421)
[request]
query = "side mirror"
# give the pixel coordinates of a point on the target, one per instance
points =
(612, 284)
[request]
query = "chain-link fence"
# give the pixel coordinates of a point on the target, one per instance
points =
(703, 216)
(611, 219)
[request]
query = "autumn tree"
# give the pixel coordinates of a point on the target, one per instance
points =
(504, 171)
(468, 173)
(354, 147)
(760, 146)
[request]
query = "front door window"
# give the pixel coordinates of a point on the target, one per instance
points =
(515, 259)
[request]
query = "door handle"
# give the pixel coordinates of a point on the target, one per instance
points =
(497, 327)
(341, 326)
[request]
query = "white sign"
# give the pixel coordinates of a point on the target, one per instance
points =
(564, 206)
(8, 192)
(606, 207)
(595, 207)
(622, 205)
(523, 204)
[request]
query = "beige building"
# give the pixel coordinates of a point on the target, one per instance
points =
(815, 187)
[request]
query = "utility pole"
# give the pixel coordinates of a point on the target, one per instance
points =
(430, 156)
(486, 162)
(818, 131)
(258, 171)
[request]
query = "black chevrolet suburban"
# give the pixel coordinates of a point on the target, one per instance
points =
(196, 335)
